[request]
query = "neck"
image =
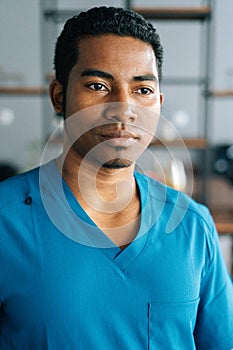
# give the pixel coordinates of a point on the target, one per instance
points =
(109, 196)
(97, 188)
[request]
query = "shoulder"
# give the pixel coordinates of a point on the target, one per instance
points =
(18, 188)
(178, 217)
(177, 206)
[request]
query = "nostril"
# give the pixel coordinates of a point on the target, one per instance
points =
(120, 112)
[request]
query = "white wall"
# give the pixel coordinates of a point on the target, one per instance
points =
(20, 55)
(21, 47)
(222, 129)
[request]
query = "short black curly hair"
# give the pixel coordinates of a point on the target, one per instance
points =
(97, 21)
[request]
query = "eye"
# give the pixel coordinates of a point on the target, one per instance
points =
(97, 87)
(144, 91)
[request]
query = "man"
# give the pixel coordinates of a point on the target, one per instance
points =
(87, 260)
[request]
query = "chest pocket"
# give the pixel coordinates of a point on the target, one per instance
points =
(171, 325)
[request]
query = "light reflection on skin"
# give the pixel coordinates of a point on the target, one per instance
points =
(122, 78)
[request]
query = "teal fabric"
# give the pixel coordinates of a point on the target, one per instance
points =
(64, 285)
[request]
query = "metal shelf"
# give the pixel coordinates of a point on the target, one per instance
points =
(175, 13)
(161, 13)
(59, 16)
(223, 218)
(195, 143)
(221, 93)
(183, 81)
(23, 90)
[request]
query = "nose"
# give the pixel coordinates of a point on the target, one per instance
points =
(120, 112)
(120, 109)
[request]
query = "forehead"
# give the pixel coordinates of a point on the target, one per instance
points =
(117, 52)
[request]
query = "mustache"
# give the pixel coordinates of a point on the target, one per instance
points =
(118, 130)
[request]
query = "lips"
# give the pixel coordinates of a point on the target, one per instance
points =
(118, 134)
(121, 138)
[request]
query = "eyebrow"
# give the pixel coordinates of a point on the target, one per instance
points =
(102, 74)
(96, 73)
(150, 77)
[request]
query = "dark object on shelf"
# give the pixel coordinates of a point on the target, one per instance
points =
(7, 170)
(223, 161)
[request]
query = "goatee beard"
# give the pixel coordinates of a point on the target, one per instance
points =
(117, 163)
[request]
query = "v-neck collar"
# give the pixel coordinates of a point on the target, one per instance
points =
(89, 234)
(124, 257)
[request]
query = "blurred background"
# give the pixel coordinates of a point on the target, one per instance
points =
(193, 149)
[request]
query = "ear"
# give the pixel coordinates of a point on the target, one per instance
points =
(56, 95)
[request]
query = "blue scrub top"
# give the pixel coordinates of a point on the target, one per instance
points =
(65, 285)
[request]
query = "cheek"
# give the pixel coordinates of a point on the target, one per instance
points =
(148, 123)
(75, 101)
(73, 106)
(81, 128)
(84, 142)
(79, 98)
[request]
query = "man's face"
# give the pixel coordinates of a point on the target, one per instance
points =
(114, 99)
